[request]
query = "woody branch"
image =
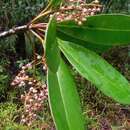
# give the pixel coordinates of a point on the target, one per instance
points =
(20, 29)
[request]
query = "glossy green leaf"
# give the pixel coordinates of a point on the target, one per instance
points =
(64, 100)
(98, 71)
(51, 47)
(100, 29)
(56, 103)
(94, 47)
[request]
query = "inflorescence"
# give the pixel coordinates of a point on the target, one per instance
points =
(33, 103)
(77, 10)
(34, 96)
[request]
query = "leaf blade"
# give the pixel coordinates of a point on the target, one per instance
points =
(55, 97)
(92, 46)
(52, 52)
(69, 97)
(100, 29)
(98, 71)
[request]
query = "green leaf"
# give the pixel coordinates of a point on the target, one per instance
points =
(94, 47)
(56, 103)
(106, 30)
(51, 47)
(64, 100)
(98, 71)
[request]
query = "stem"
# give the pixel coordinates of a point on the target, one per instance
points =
(41, 15)
(14, 31)
(23, 28)
(40, 38)
(47, 8)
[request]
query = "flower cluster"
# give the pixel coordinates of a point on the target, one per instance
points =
(33, 103)
(22, 78)
(34, 96)
(77, 10)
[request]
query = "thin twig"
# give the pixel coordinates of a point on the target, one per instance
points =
(41, 15)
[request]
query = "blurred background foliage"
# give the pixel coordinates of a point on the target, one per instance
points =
(15, 12)
(18, 49)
